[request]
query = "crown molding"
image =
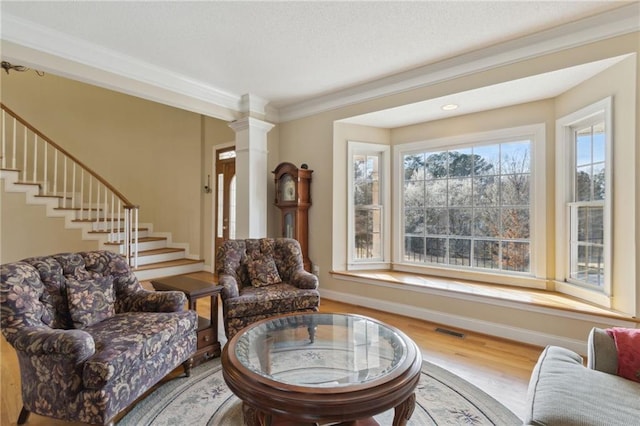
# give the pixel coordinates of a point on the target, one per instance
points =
(99, 65)
(77, 59)
(606, 25)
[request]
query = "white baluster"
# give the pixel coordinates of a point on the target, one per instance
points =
(13, 160)
(98, 186)
(4, 129)
(106, 208)
(64, 183)
(119, 218)
(24, 158)
(73, 186)
(81, 192)
(135, 244)
(90, 207)
(46, 171)
(35, 157)
(126, 241)
(113, 203)
(55, 172)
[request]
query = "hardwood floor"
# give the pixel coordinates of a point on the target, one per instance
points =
(499, 367)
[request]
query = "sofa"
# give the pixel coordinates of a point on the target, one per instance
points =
(261, 278)
(563, 391)
(89, 339)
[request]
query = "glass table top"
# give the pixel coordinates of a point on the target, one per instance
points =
(321, 350)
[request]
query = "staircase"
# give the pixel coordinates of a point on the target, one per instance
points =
(158, 256)
(52, 177)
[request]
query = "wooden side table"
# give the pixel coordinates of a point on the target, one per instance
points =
(208, 343)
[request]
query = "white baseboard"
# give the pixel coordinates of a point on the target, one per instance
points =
(472, 324)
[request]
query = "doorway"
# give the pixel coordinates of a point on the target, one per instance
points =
(225, 206)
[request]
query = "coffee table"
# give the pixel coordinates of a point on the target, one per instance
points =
(310, 368)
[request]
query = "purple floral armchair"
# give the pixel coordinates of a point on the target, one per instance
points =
(262, 278)
(89, 339)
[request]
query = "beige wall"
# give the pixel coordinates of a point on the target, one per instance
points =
(329, 186)
(26, 231)
(151, 152)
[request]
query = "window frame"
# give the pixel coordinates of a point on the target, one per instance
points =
(384, 175)
(536, 277)
(565, 176)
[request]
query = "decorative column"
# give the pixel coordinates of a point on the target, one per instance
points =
(251, 176)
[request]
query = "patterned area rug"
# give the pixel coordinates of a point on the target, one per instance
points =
(442, 398)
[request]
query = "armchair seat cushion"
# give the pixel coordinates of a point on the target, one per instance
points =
(274, 299)
(130, 339)
(564, 392)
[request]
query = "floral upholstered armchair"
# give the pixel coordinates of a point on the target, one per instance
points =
(89, 339)
(262, 278)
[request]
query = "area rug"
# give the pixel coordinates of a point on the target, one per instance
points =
(442, 398)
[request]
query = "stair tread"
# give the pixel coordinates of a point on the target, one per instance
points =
(96, 221)
(168, 264)
(159, 251)
(116, 230)
(140, 240)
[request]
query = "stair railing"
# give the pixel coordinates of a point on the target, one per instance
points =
(42, 162)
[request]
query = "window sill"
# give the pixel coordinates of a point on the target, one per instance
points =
(494, 293)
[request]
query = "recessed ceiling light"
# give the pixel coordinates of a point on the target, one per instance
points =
(449, 107)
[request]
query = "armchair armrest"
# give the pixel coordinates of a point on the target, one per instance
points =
(229, 286)
(75, 345)
(154, 301)
(602, 352)
(303, 279)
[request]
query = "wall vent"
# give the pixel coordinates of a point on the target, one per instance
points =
(450, 332)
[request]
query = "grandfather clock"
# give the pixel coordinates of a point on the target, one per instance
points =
(293, 198)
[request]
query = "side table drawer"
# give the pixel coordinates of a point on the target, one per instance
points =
(205, 337)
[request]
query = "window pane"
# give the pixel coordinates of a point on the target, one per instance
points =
(414, 167)
(583, 183)
(460, 221)
(515, 157)
(487, 222)
(414, 222)
(459, 252)
(436, 192)
(486, 254)
(515, 224)
(367, 234)
(583, 147)
(460, 192)
(515, 190)
(436, 250)
(598, 181)
(460, 163)
(362, 193)
(437, 221)
(590, 225)
(486, 160)
(515, 256)
(485, 191)
(414, 194)
(414, 249)
(436, 165)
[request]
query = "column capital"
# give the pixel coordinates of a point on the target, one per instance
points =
(250, 123)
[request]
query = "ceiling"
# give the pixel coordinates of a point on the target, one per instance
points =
(292, 58)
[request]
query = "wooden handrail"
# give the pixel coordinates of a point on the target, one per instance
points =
(126, 203)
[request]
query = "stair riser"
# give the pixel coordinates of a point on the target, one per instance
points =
(164, 257)
(119, 236)
(151, 274)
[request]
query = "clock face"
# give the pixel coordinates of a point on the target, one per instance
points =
(287, 188)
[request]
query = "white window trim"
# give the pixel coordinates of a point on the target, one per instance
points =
(383, 151)
(537, 277)
(564, 175)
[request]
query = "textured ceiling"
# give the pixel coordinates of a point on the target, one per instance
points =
(288, 52)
